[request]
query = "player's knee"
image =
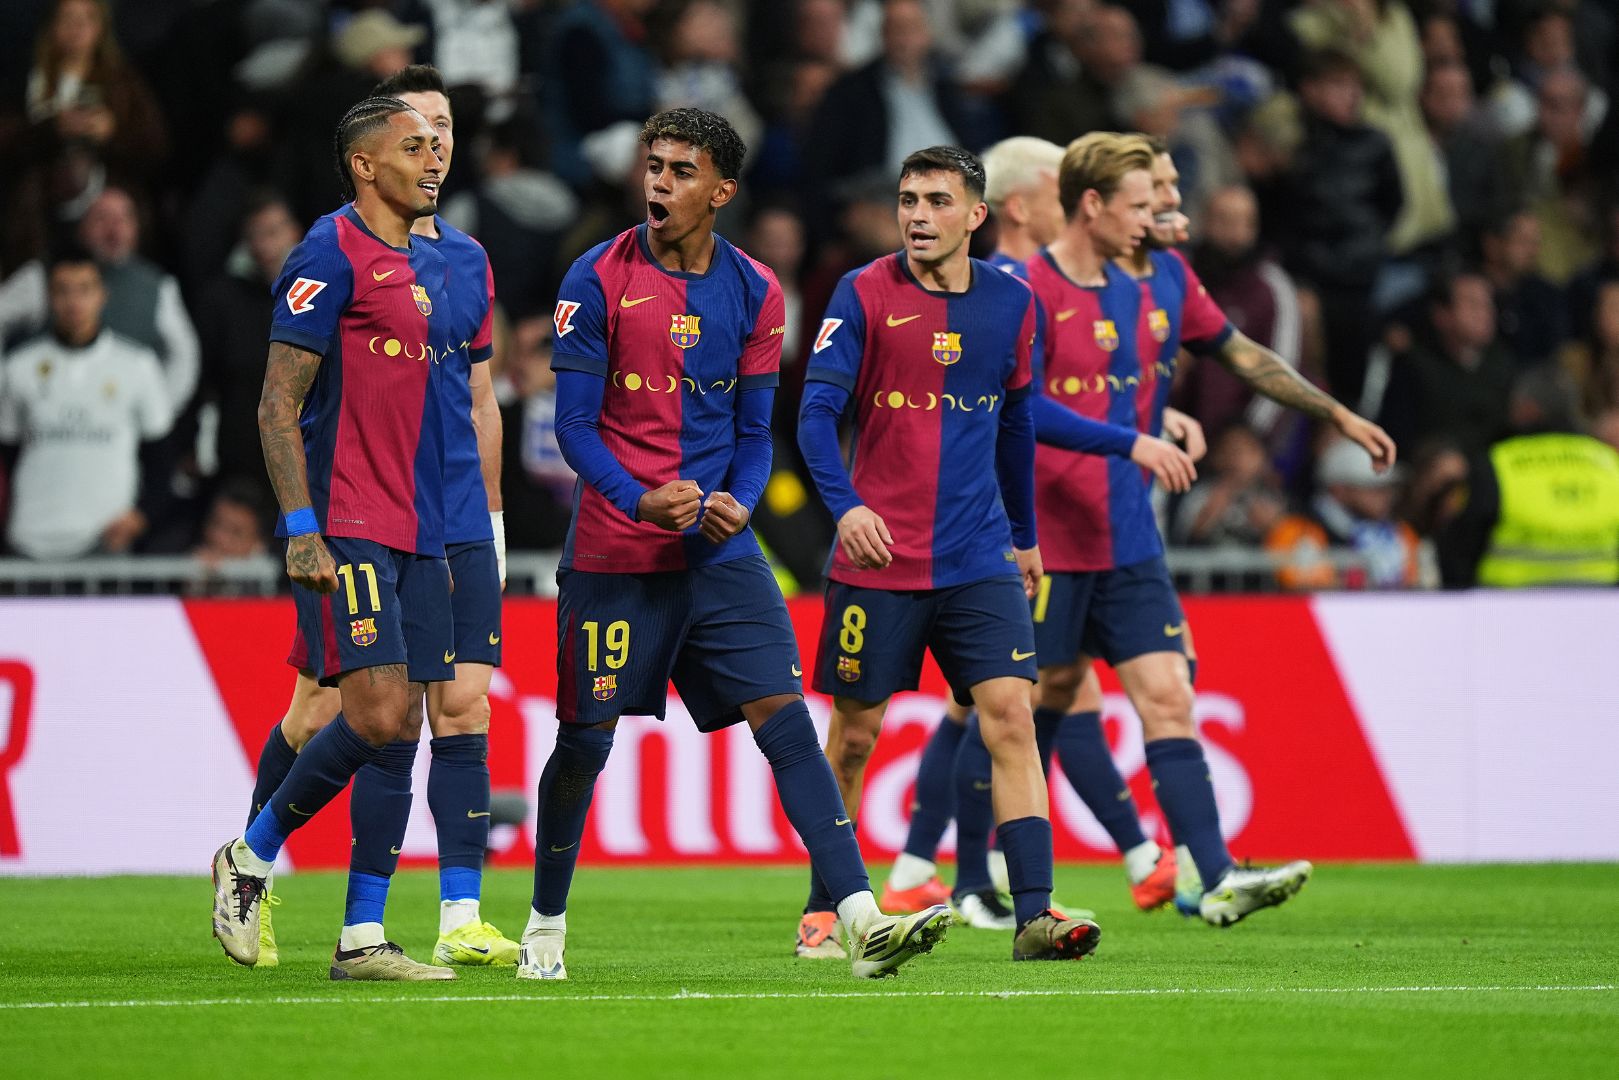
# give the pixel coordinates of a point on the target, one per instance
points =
(308, 716)
(1165, 707)
(1059, 686)
(462, 714)
(1006, 725)
(854, 745)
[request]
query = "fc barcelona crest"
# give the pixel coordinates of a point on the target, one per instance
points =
(683, 330)
(848, 669)
(363, 631)
(1107, 335)
(1158, 324)
(424, 303)
(604, 686)
(946, 347)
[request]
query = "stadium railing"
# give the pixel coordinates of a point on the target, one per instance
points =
(528, 573)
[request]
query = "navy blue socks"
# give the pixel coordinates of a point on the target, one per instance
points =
(809, 793)
(1027, 843)
(1088, 764)
(458, 795)
(935, 801)
(975, 812)
(275, 761)
(566, 788)
(1180, 780)
(323, 769)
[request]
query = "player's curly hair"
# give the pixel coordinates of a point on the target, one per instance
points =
(704, 130)
(364, 120)
(947, 159)
(1099, 161)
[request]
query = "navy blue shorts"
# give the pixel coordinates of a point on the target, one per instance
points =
(1116, 614)
(475, 602)
(720, 632)
(872, 639)
(390, 607)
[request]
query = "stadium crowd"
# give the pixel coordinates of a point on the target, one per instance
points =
(1415, 203)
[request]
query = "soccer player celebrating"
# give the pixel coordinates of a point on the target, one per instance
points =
(668, 350)
(936, 540)
(351, 422)
(457, 711)
(1021, 179)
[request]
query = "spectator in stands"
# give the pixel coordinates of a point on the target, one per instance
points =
(1238, 502)
(1149, 100)
(1260, 299)
(238, 525)
(776, 238)
(1468, 151)
(700, 67)
(599, 73)
(233, 323)
(1454, 381)
(1593, 363)
(1582, 291)
(1547, 47)
(1073, 65)
(1541, 507)
(476, 45)
(536, 483)
(1550, 170)
(1531, 314)
(870, 119)
(1342, 198)
(1353, 510)
(76, 405)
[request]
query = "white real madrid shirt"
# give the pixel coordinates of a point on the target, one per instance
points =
(80, 416)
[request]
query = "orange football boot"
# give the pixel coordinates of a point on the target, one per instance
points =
(928, 894)
(1159, 887)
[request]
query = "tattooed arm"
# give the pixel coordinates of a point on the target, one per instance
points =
(287, 377)
(1270, 375)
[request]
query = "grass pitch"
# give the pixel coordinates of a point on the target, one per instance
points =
(1372, 971)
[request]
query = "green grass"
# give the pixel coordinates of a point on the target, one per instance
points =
(1193, 1001)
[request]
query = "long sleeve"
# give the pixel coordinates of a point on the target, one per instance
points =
(1014, 467)
(579, 406)
(818, 417)
(750, 468)
(1059, 426)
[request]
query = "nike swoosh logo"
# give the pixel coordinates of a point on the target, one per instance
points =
(1064, 316)
(796, 672)
(624, 300)
(477, 813)
(901, 322)
(449, 658)
(474, 948)
(559, 850)
(1019, 655)
(394, 851)
(1174, 631)
(381, 277)
(494, 639)
(982, 785)
(294, 808)
(841, 821)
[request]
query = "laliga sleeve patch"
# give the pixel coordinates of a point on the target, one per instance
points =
(301, 296)
(824, 338)
(566, 310)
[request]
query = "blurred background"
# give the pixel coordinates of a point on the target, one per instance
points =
(1416, 203)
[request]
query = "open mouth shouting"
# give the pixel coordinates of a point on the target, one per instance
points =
(656, 214)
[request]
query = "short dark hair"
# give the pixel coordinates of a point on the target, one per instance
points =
(948, 159)
(361, 122)
(70, 253)
(704, 130)
(1326, 62)
(415, 79)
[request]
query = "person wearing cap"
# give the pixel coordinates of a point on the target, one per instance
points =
(1540, 507)
(1353, 509)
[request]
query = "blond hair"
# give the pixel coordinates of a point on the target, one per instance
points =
(1100, 161)
(1015, 165)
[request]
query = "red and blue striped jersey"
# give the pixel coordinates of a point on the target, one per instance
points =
(1176, 310)
(930, 373)
(372, 421)
(471, 308)
(676, 350)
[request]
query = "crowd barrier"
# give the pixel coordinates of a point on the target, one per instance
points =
(1435, 727)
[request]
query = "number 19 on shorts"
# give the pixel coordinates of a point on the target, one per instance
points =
(617, 640)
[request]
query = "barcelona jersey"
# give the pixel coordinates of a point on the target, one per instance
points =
(1175, 310)
(372, 422)
(676, 350)
(930, 374)
(470, 300)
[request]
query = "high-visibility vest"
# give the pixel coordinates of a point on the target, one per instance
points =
(1559, 517)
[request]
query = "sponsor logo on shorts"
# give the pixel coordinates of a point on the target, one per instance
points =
(1019, 654)
(603, 687)
(848, 669)
(797, 674)
(1174, 630)
(494, 639)
(449, 657)
(363, 631)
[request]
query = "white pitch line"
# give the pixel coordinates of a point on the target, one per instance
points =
(694, 995)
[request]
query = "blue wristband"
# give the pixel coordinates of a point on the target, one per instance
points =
(301, 522)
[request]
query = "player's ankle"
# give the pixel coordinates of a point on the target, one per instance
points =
(1141, 860)
(858, 911)
(910, 871)
(454, 914)
(361, 936)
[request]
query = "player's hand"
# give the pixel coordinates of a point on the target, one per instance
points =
(723, 517)
(674, 506)
(309, 563)
(1368, 436)
(865, 538)
(1186, 431)
(122, 531)
(1171, 465)
(1032, 569)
